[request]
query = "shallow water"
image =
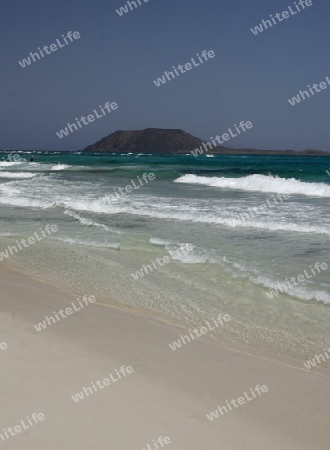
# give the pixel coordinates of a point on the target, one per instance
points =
(253, 222)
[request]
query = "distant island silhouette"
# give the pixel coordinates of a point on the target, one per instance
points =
(162, 141)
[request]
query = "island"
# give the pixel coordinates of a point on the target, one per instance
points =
(175, 141)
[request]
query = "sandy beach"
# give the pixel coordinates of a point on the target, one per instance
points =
(168, 393)
(165, 226)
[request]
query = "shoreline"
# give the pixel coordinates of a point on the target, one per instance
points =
(275, 342)
(226, 341)
(169, 393)
(271, 344)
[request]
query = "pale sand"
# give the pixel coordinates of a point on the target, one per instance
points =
(169, 393)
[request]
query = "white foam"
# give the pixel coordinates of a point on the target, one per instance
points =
(84, 221)
(272, 226)
(149, 209)
(188, 253)
(24, 202)
(261, 183)
(60, 167)
(301, 291)
(160, 242)
(183, 252)
(23, 175)
(11, 163)
(88, 243)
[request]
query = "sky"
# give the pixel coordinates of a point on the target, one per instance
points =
(117, 58)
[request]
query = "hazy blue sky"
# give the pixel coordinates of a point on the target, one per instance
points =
(117, 58)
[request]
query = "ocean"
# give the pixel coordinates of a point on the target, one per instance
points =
(246, 236)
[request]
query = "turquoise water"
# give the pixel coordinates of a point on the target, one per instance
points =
(170, 166)
(251, 222)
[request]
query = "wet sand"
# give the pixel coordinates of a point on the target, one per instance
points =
(169, 392)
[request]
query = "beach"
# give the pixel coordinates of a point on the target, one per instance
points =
(168, 394)
(180, 237)
(164, 271)
(155, 302)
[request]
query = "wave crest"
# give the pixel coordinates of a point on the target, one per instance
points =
(261, 183)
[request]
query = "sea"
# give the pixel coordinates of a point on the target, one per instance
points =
(235, 230)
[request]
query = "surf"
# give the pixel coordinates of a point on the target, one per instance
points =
(260, 183)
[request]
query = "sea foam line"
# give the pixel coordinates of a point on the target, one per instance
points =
(261, 183)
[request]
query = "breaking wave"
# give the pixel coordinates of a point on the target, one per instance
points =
(261, 183)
